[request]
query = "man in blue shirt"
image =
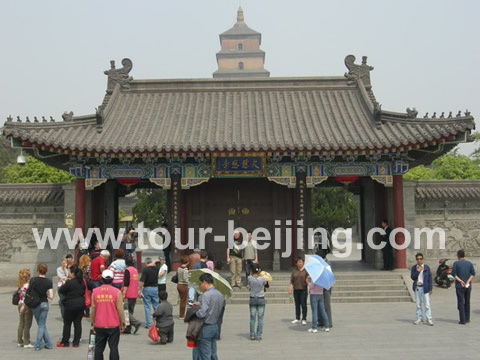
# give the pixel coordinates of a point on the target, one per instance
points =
(212, 303)
(463, 272)
(422, 285)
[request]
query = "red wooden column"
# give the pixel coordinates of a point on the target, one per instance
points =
(80, 203)
(399, 221)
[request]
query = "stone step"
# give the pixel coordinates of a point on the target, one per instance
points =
(341, 277)
(337, 287)
(358, 299)
(335, 294)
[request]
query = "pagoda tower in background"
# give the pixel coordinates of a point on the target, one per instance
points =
(240, 55)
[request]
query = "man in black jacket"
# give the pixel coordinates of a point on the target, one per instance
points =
(387, 249)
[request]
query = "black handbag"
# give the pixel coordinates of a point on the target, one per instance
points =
(16, 297)
(32, 299)
(175, 278)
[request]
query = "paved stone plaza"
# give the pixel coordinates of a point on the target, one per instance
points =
(361, 331)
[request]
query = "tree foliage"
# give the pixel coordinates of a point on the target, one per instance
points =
(34, 171)
(333, 208)
(151, 207)
(7, 154)
(447, 167)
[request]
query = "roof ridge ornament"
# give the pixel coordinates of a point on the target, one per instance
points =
(412, 113)
(119, 76)
(100, 118)
(67, 116)
(358, 72)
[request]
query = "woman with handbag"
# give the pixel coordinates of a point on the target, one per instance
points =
(73, 292)
(26, 316)
(40, 290)
(256, 283)
(84, 265)
(182, 284)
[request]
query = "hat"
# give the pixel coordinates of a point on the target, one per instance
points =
(107, 274)
(105, 253)
(148, 260)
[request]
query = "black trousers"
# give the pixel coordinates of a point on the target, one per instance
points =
(300, 297)
(104, 335)
(133, 320)
(248, 269)
(166, 334)
(72, 315)
(388, 257)
(463, 303)
(166, 253)
(161, 288)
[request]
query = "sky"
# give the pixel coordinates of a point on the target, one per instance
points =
(426, 53)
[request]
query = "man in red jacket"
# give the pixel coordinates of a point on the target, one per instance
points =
(107, 316)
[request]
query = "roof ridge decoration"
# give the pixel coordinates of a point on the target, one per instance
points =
(67, 116)
(119, 76)
(358, 72)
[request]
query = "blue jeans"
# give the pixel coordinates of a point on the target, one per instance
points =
(150, 298)
(424, 299)
(318, 306)
(207, 345)
(257, 307)
(40, 313)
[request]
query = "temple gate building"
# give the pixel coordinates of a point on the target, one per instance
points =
(241, 146)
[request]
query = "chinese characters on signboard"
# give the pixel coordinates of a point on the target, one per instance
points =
(239, 165)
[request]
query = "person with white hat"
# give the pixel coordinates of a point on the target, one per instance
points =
(108, 317)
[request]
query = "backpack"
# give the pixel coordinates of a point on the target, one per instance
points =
(16, 297)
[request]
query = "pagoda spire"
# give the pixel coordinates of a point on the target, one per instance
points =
(240, 18)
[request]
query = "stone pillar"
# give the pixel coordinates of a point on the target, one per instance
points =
(300, 204)
(80, 203)
(111, 207)
(410, 219)
(398, 220)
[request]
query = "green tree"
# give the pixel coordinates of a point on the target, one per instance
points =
(7, 154)
(151, 207)
(447, 167)
(333, 208)
(34, 171)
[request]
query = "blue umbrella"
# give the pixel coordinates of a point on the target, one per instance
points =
(320, 272)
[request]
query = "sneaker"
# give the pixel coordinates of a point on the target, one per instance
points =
(326, 329)
(296, 322)
(304, 322)
(430, 322)
(417, 322)
(259, 338)
(48, 347)
(136, 329)
(29, 346)
(252, 338)
(461, 323)
(19, 345)
(62, 345)
(313, 331)
(38, 349)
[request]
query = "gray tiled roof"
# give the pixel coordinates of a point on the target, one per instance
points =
(31, 193)
(239, 29)
(448, 189)
(305, 114)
